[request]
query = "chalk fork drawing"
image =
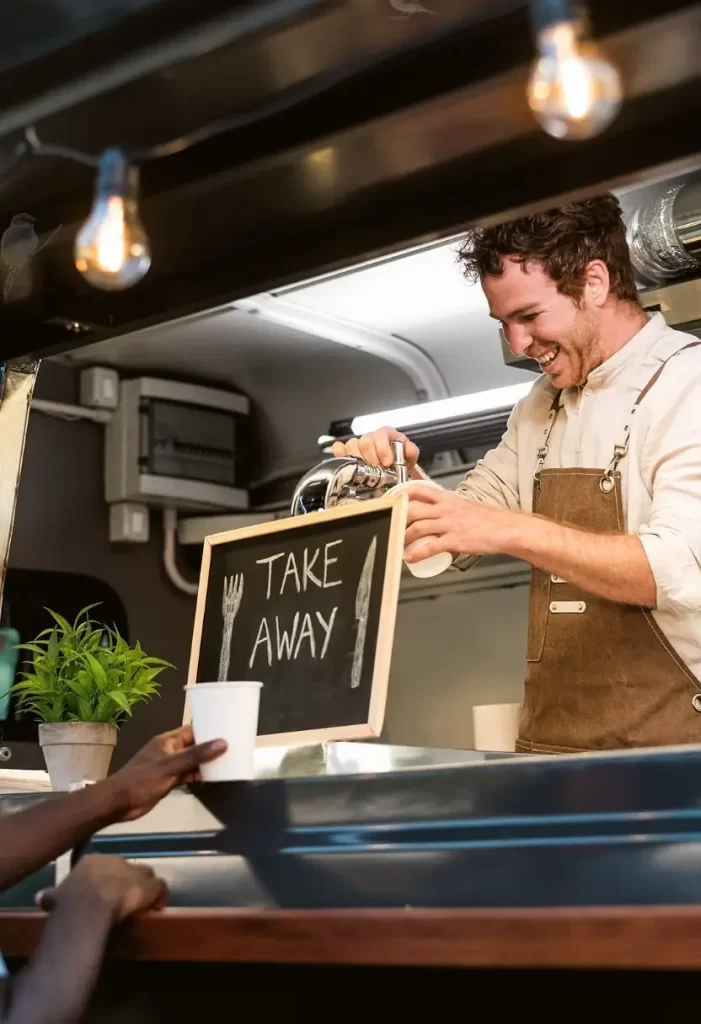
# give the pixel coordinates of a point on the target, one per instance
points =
(233, 589)
(18, 247)
(362, 607)
(408, 7)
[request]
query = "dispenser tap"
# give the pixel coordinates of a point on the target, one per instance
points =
(347, 478)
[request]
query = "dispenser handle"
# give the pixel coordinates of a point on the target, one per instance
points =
(400, 466)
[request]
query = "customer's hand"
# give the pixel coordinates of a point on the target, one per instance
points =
(107, 884)
(167, 761)
(375, 448)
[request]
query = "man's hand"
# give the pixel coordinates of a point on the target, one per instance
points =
(165, 762)
(610, 565)
(114, 885)
(456, 524)
(376, 451)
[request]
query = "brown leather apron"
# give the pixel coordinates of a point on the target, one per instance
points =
(600, 675)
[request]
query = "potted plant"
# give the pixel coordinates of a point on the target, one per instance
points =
(84, 680)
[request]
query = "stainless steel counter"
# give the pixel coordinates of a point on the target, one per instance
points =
(320, 759)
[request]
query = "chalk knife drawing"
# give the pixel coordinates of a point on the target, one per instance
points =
(362, 606)
(233, 589)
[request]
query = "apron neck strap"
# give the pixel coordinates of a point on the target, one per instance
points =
(621, 450)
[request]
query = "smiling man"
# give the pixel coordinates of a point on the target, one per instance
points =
(596, 483)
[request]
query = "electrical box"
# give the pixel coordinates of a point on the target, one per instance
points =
(176, 445)
(129, 523)
(99, 388)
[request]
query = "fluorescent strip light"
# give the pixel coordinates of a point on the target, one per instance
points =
(443, 409)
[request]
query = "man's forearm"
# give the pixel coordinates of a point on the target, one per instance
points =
(57, 984)
(609, 565)
(31, 838)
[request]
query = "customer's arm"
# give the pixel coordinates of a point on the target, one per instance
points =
(31, 838)
(56, 986)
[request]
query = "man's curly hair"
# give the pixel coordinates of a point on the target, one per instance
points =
(562, 242)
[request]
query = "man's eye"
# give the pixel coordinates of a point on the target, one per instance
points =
(527, 318)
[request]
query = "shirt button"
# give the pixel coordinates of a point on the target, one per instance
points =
(588, 392)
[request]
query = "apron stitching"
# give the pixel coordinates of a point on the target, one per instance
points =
(662, 640)
(554, 748)
(618, 500)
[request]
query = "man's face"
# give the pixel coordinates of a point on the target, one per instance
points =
(541, 323)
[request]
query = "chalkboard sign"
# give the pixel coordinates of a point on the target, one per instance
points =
(307, 606)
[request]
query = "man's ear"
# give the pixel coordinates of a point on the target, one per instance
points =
(597, 283)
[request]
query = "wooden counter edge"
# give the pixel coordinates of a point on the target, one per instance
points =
(665, 937)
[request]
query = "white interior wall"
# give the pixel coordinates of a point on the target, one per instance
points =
(451, 653)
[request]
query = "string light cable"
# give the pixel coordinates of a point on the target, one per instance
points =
(573, 91)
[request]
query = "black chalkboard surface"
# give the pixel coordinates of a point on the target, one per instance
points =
(307, 606)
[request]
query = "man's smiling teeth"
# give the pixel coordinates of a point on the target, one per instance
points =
(548, 358)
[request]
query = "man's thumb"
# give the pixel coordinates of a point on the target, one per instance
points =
(45, 899)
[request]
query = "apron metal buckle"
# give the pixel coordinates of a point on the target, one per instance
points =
(696, 702)
(540, 461)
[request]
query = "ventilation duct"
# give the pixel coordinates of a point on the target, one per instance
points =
(664, 236)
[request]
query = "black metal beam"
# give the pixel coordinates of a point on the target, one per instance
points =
(436, 136)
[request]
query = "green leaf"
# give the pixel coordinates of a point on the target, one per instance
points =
(80, 689)
(96, 669)
(63, 623)
(33, 648)
(85, 709)
(84, 614)
(120, 700)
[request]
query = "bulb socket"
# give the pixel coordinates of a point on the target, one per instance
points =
(117, 176)
(546, 13)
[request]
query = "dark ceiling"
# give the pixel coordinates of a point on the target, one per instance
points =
(361, 131)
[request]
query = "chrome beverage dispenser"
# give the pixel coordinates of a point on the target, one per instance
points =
(340, 481)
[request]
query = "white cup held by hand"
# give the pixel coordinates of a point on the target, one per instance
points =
(227, 711)
(434, 565)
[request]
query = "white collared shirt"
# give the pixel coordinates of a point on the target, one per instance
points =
(661, 474)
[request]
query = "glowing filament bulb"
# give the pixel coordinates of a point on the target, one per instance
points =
(574, 91)
(111, 249)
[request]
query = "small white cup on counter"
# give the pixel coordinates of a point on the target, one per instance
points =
(434, 565)
(227, 711)
(496, 726)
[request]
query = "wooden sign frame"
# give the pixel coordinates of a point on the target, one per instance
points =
(398, 504)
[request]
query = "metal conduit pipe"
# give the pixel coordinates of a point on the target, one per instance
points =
(664, 236)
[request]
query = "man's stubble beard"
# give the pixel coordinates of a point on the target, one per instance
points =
(586, 351)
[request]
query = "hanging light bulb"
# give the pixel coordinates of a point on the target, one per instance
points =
(574, 90)
(111, 248)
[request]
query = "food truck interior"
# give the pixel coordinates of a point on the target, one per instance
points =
(301, 172)
(303, 226)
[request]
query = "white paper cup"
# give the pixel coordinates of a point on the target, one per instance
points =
(434, 565)
(495, 726)
(227, 711)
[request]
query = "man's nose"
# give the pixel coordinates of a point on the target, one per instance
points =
(518, 338)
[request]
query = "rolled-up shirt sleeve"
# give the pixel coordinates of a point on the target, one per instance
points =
(671, 536)
(494, 480)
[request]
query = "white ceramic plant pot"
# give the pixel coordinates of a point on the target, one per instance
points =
(77, 751)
